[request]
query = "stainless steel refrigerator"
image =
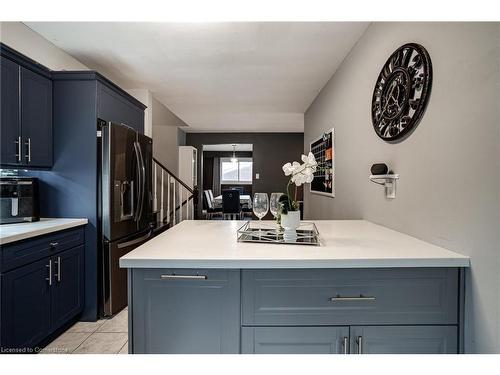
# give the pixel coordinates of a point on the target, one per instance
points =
(125, 206)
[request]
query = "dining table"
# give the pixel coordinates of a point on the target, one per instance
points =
(244, 199)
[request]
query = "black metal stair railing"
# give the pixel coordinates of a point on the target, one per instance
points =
(173, 199)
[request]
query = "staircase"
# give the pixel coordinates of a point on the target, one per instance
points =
(173, 200)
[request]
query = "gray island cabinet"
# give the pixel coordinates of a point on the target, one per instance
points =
(367, 289)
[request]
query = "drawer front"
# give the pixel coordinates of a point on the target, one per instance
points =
(20, 253)
(350, 296)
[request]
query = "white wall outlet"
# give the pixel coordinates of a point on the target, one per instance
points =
(257, 176)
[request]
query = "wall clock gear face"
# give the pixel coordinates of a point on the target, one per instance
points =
(402, 92)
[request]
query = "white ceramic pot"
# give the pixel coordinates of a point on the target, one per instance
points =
(290, 222)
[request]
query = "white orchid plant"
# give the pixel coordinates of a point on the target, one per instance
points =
(300, 174)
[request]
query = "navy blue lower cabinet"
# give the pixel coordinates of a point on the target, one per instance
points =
(404, 340)
(295, 340)
(25, 305)
(185, 311)
(68, 286)
(42, 288)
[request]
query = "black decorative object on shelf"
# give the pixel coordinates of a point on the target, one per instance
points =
(402, 92)
(380, 168)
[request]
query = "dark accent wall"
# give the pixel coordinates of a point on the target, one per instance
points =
(270, 152)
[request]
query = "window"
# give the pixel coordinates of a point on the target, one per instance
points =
(236, 173)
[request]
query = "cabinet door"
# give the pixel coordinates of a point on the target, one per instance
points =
(36, 119)
(185, 311)
(111, 106)
(294, 340)
(404, 340)
(10, 130)
(67, 291)
(25, 305)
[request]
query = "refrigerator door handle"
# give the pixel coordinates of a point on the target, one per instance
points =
(142, 173)
(143, 180)
(139, 182)
(135, 241)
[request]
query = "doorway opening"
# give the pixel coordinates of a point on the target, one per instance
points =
(227, 166)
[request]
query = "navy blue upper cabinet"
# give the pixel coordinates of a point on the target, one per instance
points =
(10, 125)
(36, 119)
(113, 106)
(26, 104)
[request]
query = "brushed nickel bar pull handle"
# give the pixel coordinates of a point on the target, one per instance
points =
(345, 345)
(338, 298)
(58, 269)
(359, 341)
(184, 277)
(53, 244)
(28, 156)
(49, 279)
(18, 149)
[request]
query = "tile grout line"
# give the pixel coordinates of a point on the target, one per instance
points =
(96, 331)
(126, 342)
(91, 333)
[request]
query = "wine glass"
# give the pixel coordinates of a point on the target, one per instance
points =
(274, 204)
(260, 206)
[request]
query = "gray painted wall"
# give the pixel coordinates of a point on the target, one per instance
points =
(164, 116)
(270, 152)
(166, 146)
(449, 192)
(167, 135)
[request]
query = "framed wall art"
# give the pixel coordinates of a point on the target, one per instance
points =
(323, 149)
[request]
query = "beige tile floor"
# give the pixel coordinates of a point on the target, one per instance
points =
(106, 336)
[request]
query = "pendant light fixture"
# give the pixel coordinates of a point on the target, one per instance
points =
(234, 159)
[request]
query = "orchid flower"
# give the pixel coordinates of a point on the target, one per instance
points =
(300, 174)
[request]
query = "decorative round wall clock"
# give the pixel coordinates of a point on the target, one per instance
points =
(402, 92)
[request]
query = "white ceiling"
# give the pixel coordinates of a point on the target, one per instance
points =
(229, 147)
(216, 76)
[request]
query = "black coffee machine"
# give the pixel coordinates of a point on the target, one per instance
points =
(18, 200)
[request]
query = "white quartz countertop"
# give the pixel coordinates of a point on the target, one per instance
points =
(21, 231)
(344, 244)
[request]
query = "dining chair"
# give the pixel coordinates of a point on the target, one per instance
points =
(231, 207)
(212, 198)
(210, 207)
(247, 208)
(241, 189)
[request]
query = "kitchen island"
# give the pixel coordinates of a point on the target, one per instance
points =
(366, 289)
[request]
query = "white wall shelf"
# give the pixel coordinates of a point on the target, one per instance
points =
(388, 181)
